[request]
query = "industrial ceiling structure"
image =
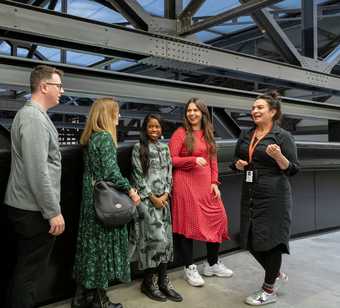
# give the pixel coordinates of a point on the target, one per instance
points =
(162, 52)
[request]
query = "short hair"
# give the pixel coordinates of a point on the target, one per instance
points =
(41, 73)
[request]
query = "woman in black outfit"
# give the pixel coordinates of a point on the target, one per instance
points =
(267, 155)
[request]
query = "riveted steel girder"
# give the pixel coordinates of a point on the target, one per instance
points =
(20, 22)
(89, 82)
(241, 10)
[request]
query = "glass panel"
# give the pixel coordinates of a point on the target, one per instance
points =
(51, 54)
(94, 11)
(82, 58)
(155, 7)
(204, 36)
(5, 48)
(121, 64)
(213, 7)
(22, 52)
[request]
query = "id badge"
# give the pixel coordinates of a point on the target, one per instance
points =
(249, 176)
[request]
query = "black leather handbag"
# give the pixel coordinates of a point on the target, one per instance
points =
(113, 207)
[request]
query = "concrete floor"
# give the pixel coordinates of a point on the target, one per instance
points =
(314, 280)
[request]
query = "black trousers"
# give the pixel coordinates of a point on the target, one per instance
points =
(33, 248)
(270, 260)
(186, 248)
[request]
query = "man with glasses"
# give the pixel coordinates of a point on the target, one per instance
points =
(33, 190)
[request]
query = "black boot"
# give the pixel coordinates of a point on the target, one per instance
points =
(165, 284)
(83, 298)
(168, 289)
(150, 288)
(102, 301)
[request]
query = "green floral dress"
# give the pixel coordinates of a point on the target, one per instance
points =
(102, 253)
(151, 236)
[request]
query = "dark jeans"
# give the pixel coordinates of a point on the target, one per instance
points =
(33, 248)
(186, 247)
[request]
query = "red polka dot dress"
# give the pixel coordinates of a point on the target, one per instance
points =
(196, 213)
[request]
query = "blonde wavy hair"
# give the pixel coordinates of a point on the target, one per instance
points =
(103, 114)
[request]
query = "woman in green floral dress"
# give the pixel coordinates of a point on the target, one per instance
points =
(151, 236)
(102, 252)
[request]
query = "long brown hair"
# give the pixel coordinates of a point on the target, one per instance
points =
(206, 125)
(102, 117)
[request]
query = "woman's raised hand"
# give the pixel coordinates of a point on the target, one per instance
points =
(273, 150)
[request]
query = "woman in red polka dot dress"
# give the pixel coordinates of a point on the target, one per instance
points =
(197, 209)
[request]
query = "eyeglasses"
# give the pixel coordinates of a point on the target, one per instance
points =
(58, 85)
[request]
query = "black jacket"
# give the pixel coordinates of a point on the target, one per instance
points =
(266, 203)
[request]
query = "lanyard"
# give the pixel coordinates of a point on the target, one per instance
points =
(253, 145)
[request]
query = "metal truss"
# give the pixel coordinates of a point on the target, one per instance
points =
(172, 8)
(89, 82)
(190, 10)
(22, 23)
(241, 10)
(132, 11)
(267, 23)
(309, 29)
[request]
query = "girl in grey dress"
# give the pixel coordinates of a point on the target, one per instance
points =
(151, 236)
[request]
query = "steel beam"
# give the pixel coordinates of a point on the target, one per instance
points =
(245, 9)
(324, 51)
(14, 105)
(333, 58)
(20, 22)
(280, 40)
(309, 28)
(190, 10)
(248, 35)
(104, 62)
(172, 8)
(40, 3)
(52, 4)
(88, 82)
(224, 124)
(32, 50)
(133, 12)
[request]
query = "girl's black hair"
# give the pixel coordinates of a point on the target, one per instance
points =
(144, 142)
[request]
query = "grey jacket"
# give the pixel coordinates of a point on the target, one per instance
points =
(34, 181)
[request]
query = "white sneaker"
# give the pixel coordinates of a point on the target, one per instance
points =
(280, 281)
(192, 276)
(218, 269)
(260, 298)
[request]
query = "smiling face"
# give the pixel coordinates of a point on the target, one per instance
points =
(261, 113)
(153, 130)
(194, 116)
